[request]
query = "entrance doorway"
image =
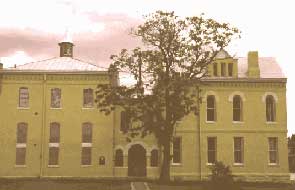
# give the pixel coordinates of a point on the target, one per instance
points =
(137, 161)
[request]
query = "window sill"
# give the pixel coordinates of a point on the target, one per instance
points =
(121, 167)
(23, 108)
(176, 164)
(53, 166)
(55, 108)
(238, 122)
(271, 122)
(210, 122)
(273, 164)
(20, 166)
(87, 108)
(85, 166)
(210, 164)
(152, 167)
(238, 164)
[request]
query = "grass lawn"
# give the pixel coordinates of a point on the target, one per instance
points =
(60, 184)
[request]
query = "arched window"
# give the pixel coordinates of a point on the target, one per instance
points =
(154, 158)
(211, 108)
(270, 108)
(237, 108)
(119, 158)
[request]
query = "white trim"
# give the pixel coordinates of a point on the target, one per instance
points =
(241, 94)
(86, 144)
(21, 145)
(53, 144)
(53, 166)
(270, 93)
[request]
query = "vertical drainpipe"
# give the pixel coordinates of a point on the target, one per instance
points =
(43, 124)
(199, 127)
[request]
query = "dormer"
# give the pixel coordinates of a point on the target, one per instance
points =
(224, 65)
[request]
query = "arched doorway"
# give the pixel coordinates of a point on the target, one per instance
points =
(136, 161)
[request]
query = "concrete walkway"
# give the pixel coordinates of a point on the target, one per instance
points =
(139, 186)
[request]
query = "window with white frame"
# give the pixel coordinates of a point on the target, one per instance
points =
(270, 108)
(55, 98)
(54, 141)
(86, 143)
(237, 108)
(211, 149)
(176, 148)
(21, 143)
(23, 97)
(88, 98)
(211, 108)
(273, 150)
(238, 150)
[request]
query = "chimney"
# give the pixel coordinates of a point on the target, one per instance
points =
(253, 66)
(66, 46)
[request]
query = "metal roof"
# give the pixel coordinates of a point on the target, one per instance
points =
(59, 64)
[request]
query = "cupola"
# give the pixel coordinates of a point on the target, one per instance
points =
(66, 46)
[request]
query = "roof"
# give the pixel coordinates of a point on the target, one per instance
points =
(269, 67)
(59, 64)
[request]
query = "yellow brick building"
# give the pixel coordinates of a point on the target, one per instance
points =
(50, 126)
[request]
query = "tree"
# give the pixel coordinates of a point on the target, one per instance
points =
(168, 69)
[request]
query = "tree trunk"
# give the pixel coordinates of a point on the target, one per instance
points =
(165, 169)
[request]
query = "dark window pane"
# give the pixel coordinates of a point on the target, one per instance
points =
(237, 108)
(20, 156)
(24, 97)
(56, 98)
(273, 149)
(211, 108)
(230, 69)
(223, 69)
(119, 158)
(86, 156)
(215, 69)
(88, 97)
(125, 121)
(270, 108)
(22, 133)
(154, 158)
(87, 133)
(238, 150)
(177, 150)
(211, 141)
(54, 133)
(53, 155)
(102, 160)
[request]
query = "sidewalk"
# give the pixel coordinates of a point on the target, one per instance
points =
(139, 186)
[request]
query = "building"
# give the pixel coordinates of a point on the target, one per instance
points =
(51, 128)
(291, 153)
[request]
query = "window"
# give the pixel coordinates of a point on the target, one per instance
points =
(87, 133)
(211, 141)
(54, 133)
(273, 150)
(56, 98)
(215, 69)
(176, 150)
(222, 69)
(86, 143)
(53, 155)
(154, 158)
(237, 108)
(54, 141)
(21, 143)
(238, 150)
(23, 97)
(270, 108)
(119, 158)
(125, 120)
(88, 98)
(86, 156)
(211, 108)
(102, 160)
(230, 69)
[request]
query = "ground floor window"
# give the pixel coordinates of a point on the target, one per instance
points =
(20, 156)
(86, 156)
(273, 150)
(176, 150)
(119, 158)
(238, 150)
(154, 158)
(53, 155)
(211, 151)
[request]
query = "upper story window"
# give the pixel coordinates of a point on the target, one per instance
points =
(119, 158)
(223, 69)
(88, 98)
(215, 69)
(211, 108)
(270, 108)
(22, 129)
(55, 98)
(176, 150)
(125, 120)
(23, 97)
(237, 108)
(230, 69)
(54, 133)
(87, 133)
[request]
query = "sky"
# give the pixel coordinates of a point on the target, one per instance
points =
(31, 29)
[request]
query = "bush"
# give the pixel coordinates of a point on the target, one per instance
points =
(221, 178)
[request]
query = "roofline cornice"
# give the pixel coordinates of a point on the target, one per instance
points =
(53, 72)
(249, 80)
